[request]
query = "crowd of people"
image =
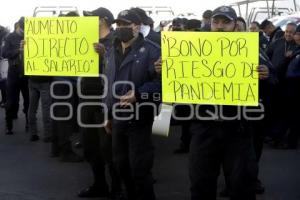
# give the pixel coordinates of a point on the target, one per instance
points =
(131, 52)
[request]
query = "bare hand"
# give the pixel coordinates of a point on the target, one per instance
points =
(288, 54)
(127, 99)
(263, 72)
(157, 66)
(99, 48)
(108, 126)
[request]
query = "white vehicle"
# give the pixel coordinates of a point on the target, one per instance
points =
(282, 21)
(55, 11)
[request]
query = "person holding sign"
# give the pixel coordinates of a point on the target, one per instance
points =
(97, 144)
(131, 81)
(219, 141)
(16, 81)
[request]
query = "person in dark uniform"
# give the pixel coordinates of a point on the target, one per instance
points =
(259, 127)
(274, 33)
(132, 60)
(280, 53)
(293, 85)
(3, 33)
(62, 125)
(96, 143)
(216, 142)
(16, 81)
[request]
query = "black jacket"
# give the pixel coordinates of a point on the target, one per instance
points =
(293, 70)
(277, 34)
(276, 52)
(93, 85)
(11, 51)
(138, 68)
(154, 37)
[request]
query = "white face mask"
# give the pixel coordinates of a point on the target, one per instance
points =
(145, 30)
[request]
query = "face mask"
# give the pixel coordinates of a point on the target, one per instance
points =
(124, 34)
(145, 30)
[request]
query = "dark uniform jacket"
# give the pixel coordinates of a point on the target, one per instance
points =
(293, 70)
(136, 65)
(276, 52)
(93, 85)
(11, 51)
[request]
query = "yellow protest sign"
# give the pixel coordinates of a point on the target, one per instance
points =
(61, 46)
(210, 68)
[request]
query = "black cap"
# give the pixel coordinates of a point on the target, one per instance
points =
(102, 13)
(298, 29)
(72, 14)
(21, 23)
(179, 21)
(193, 24)
(143, 16)
(128, 16)
(225, 11)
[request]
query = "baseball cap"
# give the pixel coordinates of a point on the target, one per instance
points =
(128, 16)
(143, 16)
(225, 11)
(193, 24)
(102, 13)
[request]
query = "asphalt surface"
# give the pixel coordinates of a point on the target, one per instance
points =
(28, 173)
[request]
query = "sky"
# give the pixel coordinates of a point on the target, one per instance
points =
(13, 9)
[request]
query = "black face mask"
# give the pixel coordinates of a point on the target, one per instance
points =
(124, 34)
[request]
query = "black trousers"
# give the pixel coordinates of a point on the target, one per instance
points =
(97, 146)
(294, 110)
(221, 143)
(63, 129)
(15, 86)
(133, 153)
(3, 90)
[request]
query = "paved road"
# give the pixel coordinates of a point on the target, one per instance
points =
(28, 173)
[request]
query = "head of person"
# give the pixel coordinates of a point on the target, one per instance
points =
(178, 24)
(241, 25)
(128, 25)
(193, 25)
(223, 19)
(297, 35)
(290, 31)
(106, 18)
(71, 14)
(206, 17)
(254, 27)
(267, 27)
(147, 21)
(19, 26)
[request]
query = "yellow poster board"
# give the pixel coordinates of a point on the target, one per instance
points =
(210, 68)
(61, 46)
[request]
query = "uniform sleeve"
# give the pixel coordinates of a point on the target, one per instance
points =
(154, 85)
